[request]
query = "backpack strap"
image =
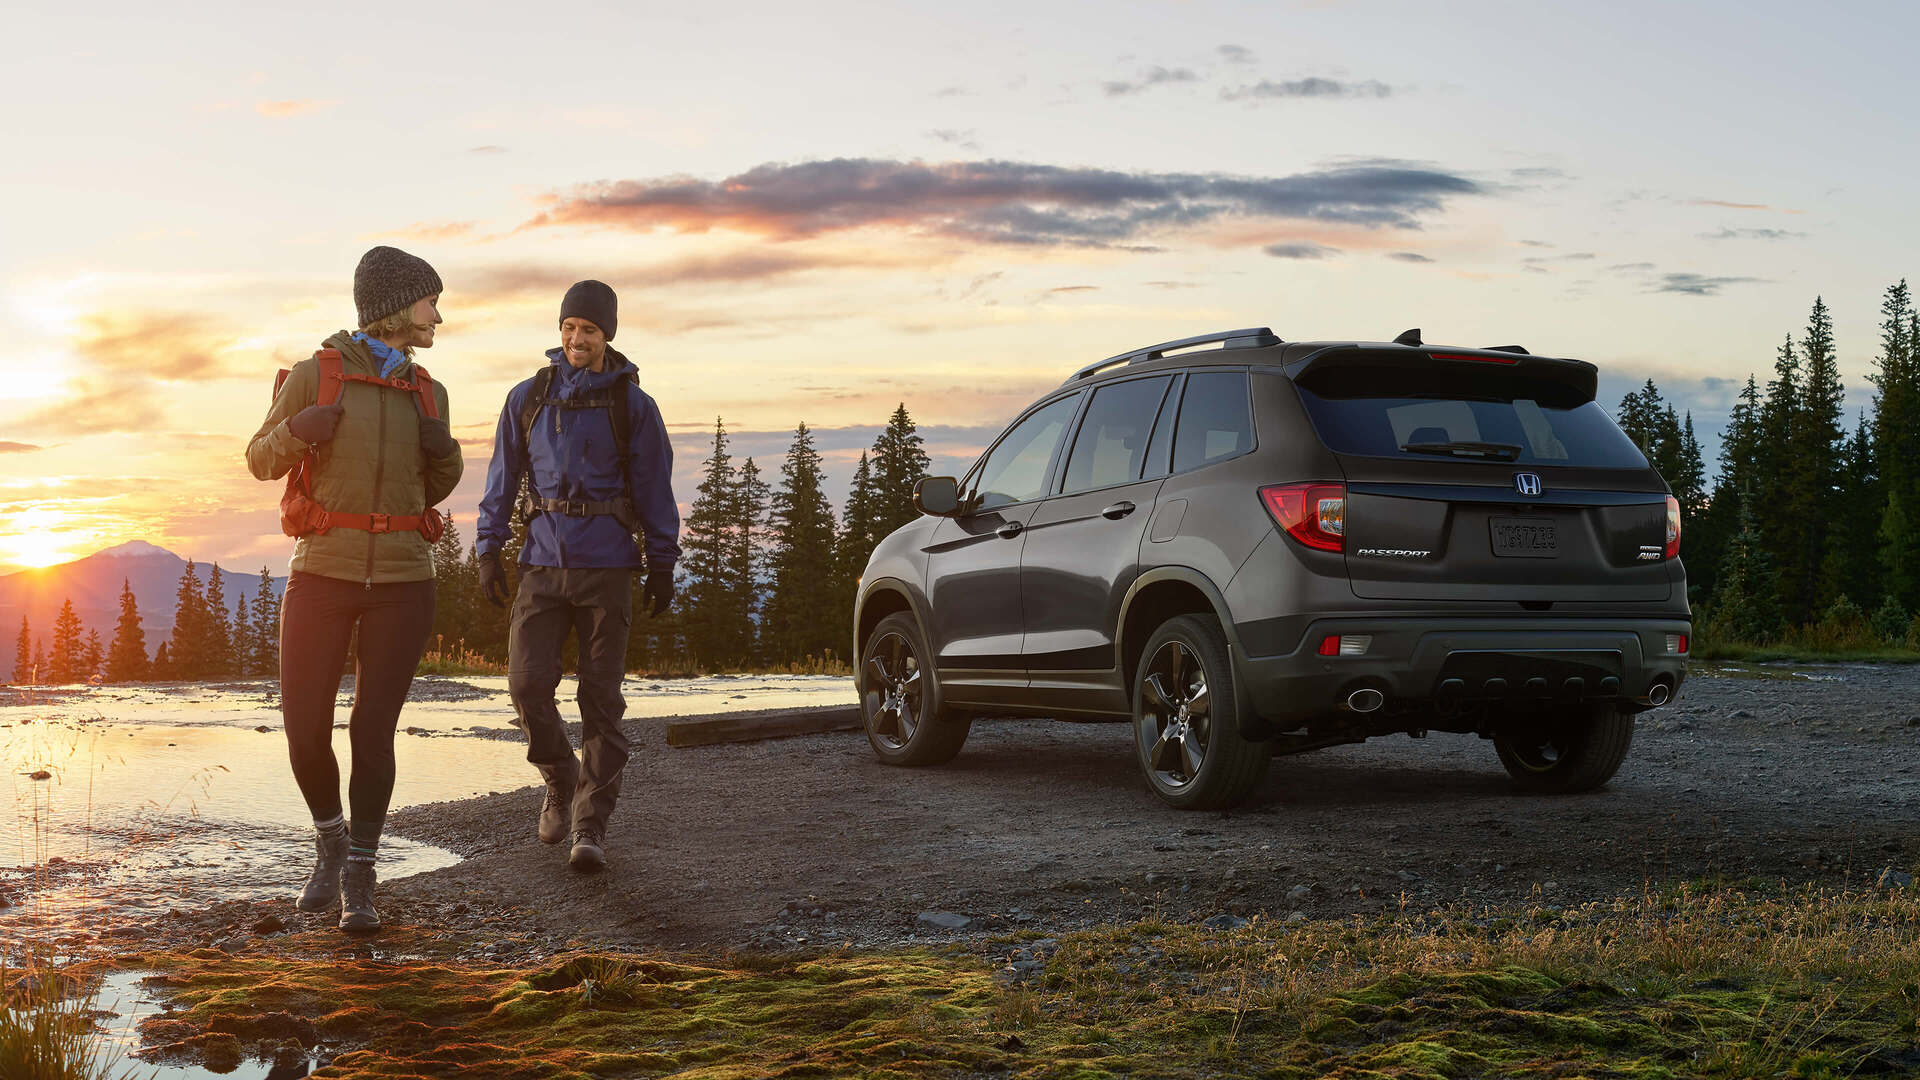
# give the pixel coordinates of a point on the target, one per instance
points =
(331, 372)
(423, 393)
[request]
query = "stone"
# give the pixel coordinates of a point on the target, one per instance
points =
(1224, 922)
(1299, 892)
(1894, 879)
(1740, 714)
(943, 920)
(271, 924)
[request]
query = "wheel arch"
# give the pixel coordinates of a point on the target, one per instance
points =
(879, 599)
(1159, 595)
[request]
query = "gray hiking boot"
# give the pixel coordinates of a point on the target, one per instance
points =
(323, 887)
(588, 855)
(356, 905)
(556, 811)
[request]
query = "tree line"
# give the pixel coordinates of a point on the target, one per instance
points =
(1806, 524)
(767, 573)
(208, 640)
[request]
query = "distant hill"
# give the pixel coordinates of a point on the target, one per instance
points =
(93, 584)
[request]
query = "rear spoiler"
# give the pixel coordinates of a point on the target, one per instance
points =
(1370, 370)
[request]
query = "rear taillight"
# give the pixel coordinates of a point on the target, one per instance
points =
(1345, 644)
(1673, 527)
(1677, 644)
(1313, 513)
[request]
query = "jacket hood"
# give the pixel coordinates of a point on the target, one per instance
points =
(612, 371)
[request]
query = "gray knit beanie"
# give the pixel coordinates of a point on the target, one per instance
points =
(593, 301)
(390, 280)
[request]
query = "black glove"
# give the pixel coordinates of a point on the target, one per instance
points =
(659, 592)
(493, 579)
(436, 440)
(315, 423)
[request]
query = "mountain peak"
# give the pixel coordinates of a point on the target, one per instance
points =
(133, 549)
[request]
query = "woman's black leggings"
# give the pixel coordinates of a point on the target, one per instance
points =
(317, 618)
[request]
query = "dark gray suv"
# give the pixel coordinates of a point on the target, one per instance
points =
(1269, 547)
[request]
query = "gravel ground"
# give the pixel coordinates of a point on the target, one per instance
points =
(1801, 773)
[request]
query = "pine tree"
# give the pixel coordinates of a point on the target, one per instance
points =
(802, 618)
(1744, 607)
(162, 667)
(1810, 471)
(745, 559)
(454, 592)
(39, 664)
(713, 635)
(187, 655)
(898, 464)
(93, 657)
(23, 672)
(1896, 381)
(218, 630)
(1639, 418)
(127, 657)
(1739, 465)
(1690, 474)
(1851, 565)
(265, 659)
(64, 663)
(855, 541)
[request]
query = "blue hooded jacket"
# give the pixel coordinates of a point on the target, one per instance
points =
(571, 456)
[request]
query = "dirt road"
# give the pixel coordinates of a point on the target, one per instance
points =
(1048, 826)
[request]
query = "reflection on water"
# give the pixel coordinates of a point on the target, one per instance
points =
(137, 800)
(126, 1000)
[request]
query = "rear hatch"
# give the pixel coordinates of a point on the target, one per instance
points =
(1486, 475)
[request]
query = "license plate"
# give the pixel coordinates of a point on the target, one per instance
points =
(1525, 538)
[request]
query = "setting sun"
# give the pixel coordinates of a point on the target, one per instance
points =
(41, 537)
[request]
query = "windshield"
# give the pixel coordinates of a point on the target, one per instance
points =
(1495, 429)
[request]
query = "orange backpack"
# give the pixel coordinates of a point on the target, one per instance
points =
(299, 514)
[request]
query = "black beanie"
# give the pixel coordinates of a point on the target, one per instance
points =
(389, 280)
(593, 301)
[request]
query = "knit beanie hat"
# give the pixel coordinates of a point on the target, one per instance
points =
(593, 301)
(390, 280)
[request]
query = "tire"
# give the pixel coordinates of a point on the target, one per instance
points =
(900, 699)
(1565, 754)
(1186, 719)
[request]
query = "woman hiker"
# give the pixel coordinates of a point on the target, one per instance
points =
(375, 459)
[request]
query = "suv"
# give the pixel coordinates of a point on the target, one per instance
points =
(1270, 547)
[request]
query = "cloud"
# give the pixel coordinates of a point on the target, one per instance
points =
(1312, 87)
(1631, 268)
(963, 139)
(1171, 284)
(1154, 76)
(515, 281)
(283, 109)
(160, 344)
(488, 149)
(952, 91)
(17, 447)
(1697, 284)
(1753, 234)
(1538, 172)
(1408, 256)
(1722, 203)
(1074, 288)
(1536, 243)
(1002, 202)
(1299, 251)
(442, 231)
(1237, 54)
(1577, 256)
(97, 403)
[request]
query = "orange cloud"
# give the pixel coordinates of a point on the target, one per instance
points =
(431, 231)
(293, 107)
(160, 344)
(1745, 206)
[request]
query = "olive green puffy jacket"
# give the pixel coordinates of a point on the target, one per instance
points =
(373, 465)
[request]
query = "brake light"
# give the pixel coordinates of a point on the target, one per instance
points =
(1476, 359)
(1345, 644)
(1673, 527)
(1677, 643)
(1315, 514)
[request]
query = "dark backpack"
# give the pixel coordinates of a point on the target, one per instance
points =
(299, 514)
(539, 397)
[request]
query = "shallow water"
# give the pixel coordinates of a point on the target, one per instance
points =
(170, 796)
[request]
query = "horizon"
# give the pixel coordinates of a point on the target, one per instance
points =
(807, 224)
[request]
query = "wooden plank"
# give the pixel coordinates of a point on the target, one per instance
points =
(712, 730)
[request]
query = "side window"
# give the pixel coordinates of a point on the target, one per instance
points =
(1160, 450)
(1112, 441)
(1016, 469)
(1216, 420)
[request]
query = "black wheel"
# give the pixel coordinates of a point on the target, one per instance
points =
(900, 699)
(1577, 751)
(1186, 718)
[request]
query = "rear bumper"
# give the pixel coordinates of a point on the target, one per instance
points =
(1421, 661)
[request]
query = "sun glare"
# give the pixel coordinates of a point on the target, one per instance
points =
(42, 537)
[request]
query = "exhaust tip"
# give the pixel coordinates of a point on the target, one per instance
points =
(1365, 700)
(1659, 693)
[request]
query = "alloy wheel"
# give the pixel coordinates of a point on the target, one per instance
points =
(892, 691)
(1176, 716)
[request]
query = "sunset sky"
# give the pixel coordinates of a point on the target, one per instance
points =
(813, 212)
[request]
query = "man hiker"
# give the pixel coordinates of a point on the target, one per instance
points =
(598, 465)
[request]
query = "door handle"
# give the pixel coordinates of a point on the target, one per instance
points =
(1117, 510)
(1008, 531)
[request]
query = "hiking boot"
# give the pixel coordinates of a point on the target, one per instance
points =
(356, 905)
(556, 812)
(323, 887)
(587, 855)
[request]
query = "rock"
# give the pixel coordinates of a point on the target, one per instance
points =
(1913, 721)
(229, 945)
(418, 731)
(263, 729)
(1299, 892)
(1224, 922)
(1409, 877)
(1298, 916)
(1740, 714)
(39, 774)
(1012, 1043)
(271, 924)
(460, 908)
(221, 1053)
(943, 920)
(1894, 879)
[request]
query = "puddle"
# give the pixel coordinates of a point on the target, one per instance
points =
(125, 1000)
(150, 798)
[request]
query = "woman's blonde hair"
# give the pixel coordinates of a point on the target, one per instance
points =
(389, 325)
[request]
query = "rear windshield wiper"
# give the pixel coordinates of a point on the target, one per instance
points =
(1500, 450)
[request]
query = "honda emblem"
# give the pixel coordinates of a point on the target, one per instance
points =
(1527, 483)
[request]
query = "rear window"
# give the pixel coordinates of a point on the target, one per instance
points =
(1215, 420)
(1507, 430)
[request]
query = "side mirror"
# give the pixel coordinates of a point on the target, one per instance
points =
(937, 495)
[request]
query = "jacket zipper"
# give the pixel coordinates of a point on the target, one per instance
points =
(379, 470)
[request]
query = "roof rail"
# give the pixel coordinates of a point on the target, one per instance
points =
(1250, 338)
